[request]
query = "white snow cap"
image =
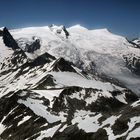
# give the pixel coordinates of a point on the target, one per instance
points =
(100, 46)
(1, 28)
(77, 26)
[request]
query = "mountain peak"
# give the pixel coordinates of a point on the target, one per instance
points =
(9, 40)
(1, 28)
(102, 30)
(59, 29)
(78, 26)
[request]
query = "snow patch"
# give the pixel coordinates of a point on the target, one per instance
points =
(24, 120)
(48, 133)
(49, 94)
(2, 128)
(38, 108)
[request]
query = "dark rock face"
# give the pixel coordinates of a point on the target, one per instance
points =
(73, 133)
(17, 56)
(42, 59)
(12, 113)
(102, 104)
(64, 101)
(19, 111)
(136, 64)
(29, 46)
(133, 63)
(120, 126)
(136, 42)
(1, 33)
(62, 65)
(17, 59)
(9, 40)
(66, 32)
(32, 127)
(33, 47)
(135, 45)
(46, 81)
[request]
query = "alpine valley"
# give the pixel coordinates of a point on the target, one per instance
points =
(59, 83)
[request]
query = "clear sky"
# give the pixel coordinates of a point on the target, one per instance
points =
(119, 16)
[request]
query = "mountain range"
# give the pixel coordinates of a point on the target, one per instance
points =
(59, 83)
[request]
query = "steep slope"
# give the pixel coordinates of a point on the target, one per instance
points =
(137, 41)
(11, 56)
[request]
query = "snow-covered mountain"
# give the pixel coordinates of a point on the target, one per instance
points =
(68, 84)
(97, 51)
(137, 41)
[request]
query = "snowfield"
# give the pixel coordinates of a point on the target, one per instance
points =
(103, 48)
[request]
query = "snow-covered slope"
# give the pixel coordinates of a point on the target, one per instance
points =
(137, 41)
(58, 83)
(98, 51)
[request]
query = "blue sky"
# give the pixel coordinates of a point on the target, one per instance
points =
(119, 16)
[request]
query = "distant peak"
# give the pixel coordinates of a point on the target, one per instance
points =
(59, 29)
(105, 30)
(78, 26)
(1, 28)
(5, 29)
(8, 39)
(56, 26)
